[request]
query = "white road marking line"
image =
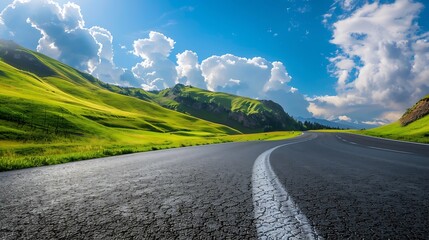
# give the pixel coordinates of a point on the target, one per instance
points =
(277, 215)
(390, 150)
(388, 139)
(384, 149)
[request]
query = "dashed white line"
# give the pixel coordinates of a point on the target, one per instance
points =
(388, 139)
(390, 150)
(277, 215)
(383, 149)
(344, 140)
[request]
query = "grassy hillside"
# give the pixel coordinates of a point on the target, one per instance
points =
(51, 113)
(416, 129)
(228, 101)
(63, 94)
(245, 114)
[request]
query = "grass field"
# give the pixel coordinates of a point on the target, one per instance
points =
(16, 155)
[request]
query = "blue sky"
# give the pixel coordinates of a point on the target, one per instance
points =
(275, 30)
(310, 56)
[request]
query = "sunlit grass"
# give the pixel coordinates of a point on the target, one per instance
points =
(16, 155)
(417, 131)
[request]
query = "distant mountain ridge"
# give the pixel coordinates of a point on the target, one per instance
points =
(336, 124)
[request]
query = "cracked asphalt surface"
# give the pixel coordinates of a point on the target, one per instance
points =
(194, 192)
(356, 187)
(205, 192)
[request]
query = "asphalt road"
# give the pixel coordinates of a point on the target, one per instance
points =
(328, 186)
(357, 187)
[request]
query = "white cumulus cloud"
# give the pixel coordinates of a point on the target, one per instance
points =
(344, 118)
(189, 69)
(60, 32)
(382, 66)
(253, 77)
(236, 74)
(156, 70)
(278, 79)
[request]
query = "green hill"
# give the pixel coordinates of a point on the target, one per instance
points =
(413, 125)
(52, 113)
(43, 94)
(245, 114)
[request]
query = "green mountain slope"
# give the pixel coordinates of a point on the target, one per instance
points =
(44, 95)
(413, 125)
(51, 113)
(245, 114)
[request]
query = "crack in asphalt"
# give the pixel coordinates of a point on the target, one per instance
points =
(194, 193)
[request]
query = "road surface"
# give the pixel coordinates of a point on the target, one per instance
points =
(318, 185)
